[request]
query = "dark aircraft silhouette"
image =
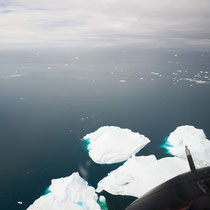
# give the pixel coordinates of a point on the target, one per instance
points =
(188, 191)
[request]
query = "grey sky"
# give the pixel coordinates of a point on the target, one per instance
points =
(156, 23)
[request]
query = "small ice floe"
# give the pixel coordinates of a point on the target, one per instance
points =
(102, 198)
(14, 75)
(49, 67)
(155, 73)
(140, 174)
(201, 82)
(37, 54)
(194, 138)
(102, 202)
(174, 73)
(141, 78)
(180, 71)
(90, 117)
(197, 75)
(22, 99)
(76, 58)
(110, 144)
(66, 193)
(196, 81)
(122, 80)
(11, 76)
(175, 55)
(19, 202)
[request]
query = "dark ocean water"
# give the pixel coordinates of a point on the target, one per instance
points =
(50, 99)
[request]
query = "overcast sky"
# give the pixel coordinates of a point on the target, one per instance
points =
(155, 23)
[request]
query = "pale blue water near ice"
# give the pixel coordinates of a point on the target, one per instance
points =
(48, 102)
(165, 145)
(47, 191)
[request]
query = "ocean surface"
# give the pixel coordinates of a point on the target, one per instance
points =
(50, 99)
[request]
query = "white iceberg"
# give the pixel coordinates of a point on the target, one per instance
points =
(140, 174)
(194, 138)
(68, 193)
(110, 144)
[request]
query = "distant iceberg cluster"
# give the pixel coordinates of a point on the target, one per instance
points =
(110, 144)
(135, 177)
(199, 78)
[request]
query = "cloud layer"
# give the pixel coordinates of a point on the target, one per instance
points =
(156, 23)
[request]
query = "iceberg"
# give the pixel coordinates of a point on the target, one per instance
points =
(137, 176)
(140, 174)
(110, 144)
(68, 193)
(194, 138)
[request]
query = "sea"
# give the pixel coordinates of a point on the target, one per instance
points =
(50, 98)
